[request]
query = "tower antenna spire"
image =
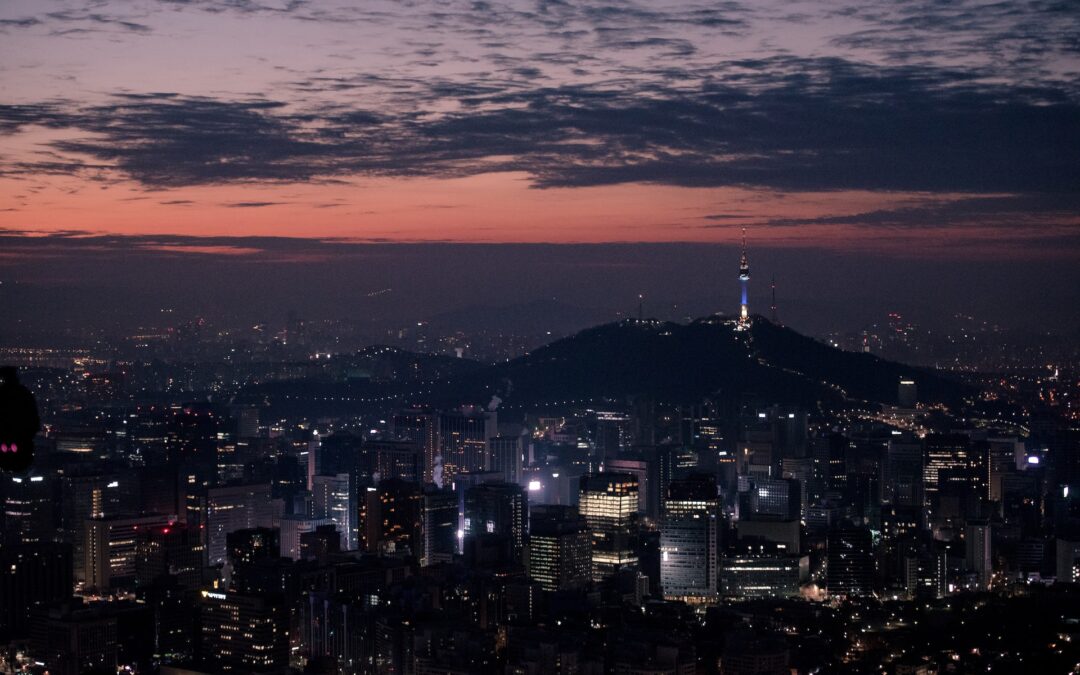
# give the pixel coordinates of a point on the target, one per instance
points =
(775, 317)
(744, 283)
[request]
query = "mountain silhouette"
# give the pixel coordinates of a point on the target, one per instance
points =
(614, 363)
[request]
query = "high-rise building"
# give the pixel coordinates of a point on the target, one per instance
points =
(334, 500)
(609, 504)
(638, 466)
(247, 546)
(320, 543)
(762, 572)
(231, 508)
(773, 499)
(977, 541)
(291, 527)
(500, 509)
(243, 633)
(397, 459)
(462, 441)
(440, 525)
(29, 510)
(926, 574)
(948, 458)
(689, 540)
(31, 574)
(111, 548)
(504, 456)
(903, 480)
(420, 427)
(850, 566)
(1067, 562)
(560, 548)
(90, 495)
(173, 550)
(74, 639)
(907, 393)
(392, 518)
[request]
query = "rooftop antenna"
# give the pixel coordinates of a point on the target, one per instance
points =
(775, 318)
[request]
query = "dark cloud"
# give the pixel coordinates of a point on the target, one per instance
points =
(251, 205)
(781, 122)
(26, 22)
(1039, 210)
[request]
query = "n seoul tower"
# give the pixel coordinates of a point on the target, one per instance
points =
(744, 283)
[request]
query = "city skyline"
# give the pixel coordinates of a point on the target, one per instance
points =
(492, 337)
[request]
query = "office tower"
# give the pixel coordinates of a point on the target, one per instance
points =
(504, 456)
(762, 571)
(850, 563)
(232, 508)
(73, 639)
(902, 481)
(320, 543)
(801, 470)
(461, 484)
(243, 633)
(926, 574)
(193, 441)
(773, 499)
(341, 452)
(111, 548)
(948, 458)
(392, 518)
(31, 574)
(247, 421)
(560, 548)
(830, 464)
(977, 548)
(291, 527)
(1067, 561)
(613, 435)
(333, 499)
(420, 427)
(1004, 457)
(462, 441)
(246, 546)
(173, 550)
(160, 491)
(500, 509)
(744, 286)
(907, 393)
(639, 468)
(440, 525)
(397, 459)
(609, 504)
(90, 495)
(29, 510)
(689, 540)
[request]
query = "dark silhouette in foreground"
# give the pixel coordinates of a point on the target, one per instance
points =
(19, 422)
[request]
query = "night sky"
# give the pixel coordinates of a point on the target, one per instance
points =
(242, 156)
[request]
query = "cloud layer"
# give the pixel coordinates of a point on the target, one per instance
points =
(970, 110)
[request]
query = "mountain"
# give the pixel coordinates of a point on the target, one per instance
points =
(684, 363)
(615, 363)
